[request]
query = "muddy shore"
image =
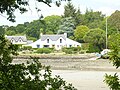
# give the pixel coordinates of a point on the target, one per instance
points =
(85, 72)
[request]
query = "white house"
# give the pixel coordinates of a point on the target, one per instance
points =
(54, 41)
(18, 40)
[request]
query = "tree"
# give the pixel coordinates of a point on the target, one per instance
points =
(10, 30)
(67, 26)
(80, 32)
(26, 76)
(20, 28)
(2, 30)
(8, 7)
(114, 20)
(113, 81)
(33, 29)
(52, 23)
(114, 39)
(71, 11)
(96, 37)
(93, 19)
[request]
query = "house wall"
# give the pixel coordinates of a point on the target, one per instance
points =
(56, 44)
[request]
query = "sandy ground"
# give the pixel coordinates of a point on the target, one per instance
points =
(84, 80)
(84, 73)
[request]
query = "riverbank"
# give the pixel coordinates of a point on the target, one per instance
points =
(84, 80)
(83, 62)
(85, 72)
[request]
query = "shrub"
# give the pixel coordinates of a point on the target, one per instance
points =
(26, 48)
(44, 50)
(71, 50)
(92, 48)
(85, 46)
(113, 81)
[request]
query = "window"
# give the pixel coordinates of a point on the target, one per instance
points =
(12, 40)
(38, 46)
(47, 40)
(70, 45)
(60, 40)
(20, 40)
(53, 46)
(46, 46)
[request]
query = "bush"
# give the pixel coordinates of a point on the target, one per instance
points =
(85, 46)
(92, 48)
(44, 50)
(71, 50)
(26, 48)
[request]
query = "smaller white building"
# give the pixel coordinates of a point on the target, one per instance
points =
(18, 40)
(57, 41)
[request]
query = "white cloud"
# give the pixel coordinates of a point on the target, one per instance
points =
(106, 10)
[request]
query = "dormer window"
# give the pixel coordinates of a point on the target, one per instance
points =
(20, 40)
(60, 40)
(12, 40)
(47, 40)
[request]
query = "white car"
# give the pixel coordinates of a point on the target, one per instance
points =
(105, 51)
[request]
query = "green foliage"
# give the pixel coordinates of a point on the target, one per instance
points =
(71, 50)
(113, 81)
(71, 11)
(115, 55)
(10, 6)
(2, 30)
(26, 76)
(44, 50)
(114, 20)
(10, 30)
(52, 23)
(20, 28)
(6, 49)
(93, 48)
(33, 29)
(114, 39)
(67, 26)
(80, 32)
(85, 46)
(96, 37)
(93, 19)
(26, 48)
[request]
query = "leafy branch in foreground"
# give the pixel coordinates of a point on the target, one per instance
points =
(26, 76)
(113, 81)
(8, 7)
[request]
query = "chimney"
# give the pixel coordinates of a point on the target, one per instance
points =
(65, 35)
(41, 35)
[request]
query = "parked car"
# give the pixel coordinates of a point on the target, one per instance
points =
(104, 54)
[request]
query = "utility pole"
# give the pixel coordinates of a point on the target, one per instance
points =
(106, 33)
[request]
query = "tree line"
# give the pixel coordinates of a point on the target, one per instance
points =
(85, 28)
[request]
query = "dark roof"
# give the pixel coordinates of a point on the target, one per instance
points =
(16, 38)
(53, 37)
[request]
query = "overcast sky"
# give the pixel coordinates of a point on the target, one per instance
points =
(105, 6)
